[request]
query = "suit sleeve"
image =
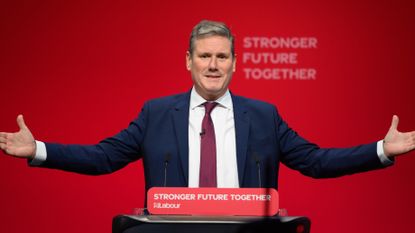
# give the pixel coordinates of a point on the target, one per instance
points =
(311, 160)
(105, 157)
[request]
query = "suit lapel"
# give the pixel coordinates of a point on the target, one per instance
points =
(241, 131)
(180, 115)
(181, 125)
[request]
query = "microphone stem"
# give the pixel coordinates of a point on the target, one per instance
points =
(259, 173)
(165, 173)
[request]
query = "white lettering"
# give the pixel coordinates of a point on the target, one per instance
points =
(273, 58)
(250, 197)
(280, 42)
(280, 73)
(158, 205)
(174, 196)
(210, 196)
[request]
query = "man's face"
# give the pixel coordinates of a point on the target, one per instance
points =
(211, 66)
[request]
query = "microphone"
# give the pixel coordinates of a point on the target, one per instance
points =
(167, 158)
(258, 166)
(202, 133)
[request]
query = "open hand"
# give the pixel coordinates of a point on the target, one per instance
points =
(19, 144)
(397, 143)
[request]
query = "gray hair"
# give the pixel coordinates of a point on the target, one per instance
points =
(208, 28)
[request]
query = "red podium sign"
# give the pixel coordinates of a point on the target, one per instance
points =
(213, 201)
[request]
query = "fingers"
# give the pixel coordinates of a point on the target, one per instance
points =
(395, 122)
(20, 122)
(3, 137)
(412, 138)
(3, 140)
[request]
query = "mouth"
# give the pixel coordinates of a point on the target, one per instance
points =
(213, 75)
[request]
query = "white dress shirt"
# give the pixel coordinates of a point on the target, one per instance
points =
(224, 124)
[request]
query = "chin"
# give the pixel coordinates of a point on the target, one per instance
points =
(215, 93)
(212, 91)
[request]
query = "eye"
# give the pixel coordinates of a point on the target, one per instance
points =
(204, 55)
(222, 56)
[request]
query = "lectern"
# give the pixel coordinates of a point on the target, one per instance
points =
(209, 224)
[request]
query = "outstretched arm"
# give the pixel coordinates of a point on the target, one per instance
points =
(20, 144)
(398, 143)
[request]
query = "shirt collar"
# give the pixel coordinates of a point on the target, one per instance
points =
(196, 100)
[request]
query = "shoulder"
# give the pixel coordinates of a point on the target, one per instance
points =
(250, 103)
(256, 109)
(167, 103)
(169, 99)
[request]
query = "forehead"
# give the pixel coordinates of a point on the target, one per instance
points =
(212, 44)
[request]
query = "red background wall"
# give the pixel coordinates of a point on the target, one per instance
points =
(79, 71)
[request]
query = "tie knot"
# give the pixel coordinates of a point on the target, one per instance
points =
(209, 107)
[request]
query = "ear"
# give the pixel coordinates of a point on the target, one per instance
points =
(188, 61)
(234, 63)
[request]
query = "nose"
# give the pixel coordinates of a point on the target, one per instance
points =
(213, 64)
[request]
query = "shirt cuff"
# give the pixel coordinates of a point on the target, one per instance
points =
(40, 155)
(383, 158)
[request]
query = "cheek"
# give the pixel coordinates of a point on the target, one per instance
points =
(197, 71)
(197, 76)
(229, 70)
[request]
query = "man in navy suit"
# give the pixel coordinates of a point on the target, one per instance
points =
(249, 137)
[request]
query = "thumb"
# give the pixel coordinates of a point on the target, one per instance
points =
(395, 122)
(20, 122)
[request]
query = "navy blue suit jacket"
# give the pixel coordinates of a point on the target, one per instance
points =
(161, 129)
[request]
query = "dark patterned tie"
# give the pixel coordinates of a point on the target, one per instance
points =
(207, 176)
